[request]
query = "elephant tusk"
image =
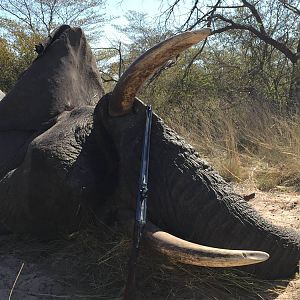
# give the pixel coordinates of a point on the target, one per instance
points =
(194, 254)
(142, 68)
(2, 95)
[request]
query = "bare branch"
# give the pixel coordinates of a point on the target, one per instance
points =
(256, 16)
(104, 48)
(263, 36)
(43, 15)
(208, 16)
(29, 16)
(165, 67)
(191, 13)
(212, 13)
(194, 58)
(51, 14)
(21, 17)
(109, 79)
(121, 62)
(170, 10)
(294, 9)
(227, 6)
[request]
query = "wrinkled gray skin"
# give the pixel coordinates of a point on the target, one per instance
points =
(65, 162)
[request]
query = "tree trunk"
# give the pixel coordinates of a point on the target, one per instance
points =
(293, 104)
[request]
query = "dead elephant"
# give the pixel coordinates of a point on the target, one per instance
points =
(70, 153)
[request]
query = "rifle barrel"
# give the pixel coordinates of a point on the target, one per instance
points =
(141, 210)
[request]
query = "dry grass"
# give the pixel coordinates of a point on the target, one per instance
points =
(95, 262)
(92, 264)
(279, 151)
(248, 141)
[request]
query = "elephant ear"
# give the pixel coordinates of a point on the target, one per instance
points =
(65, 76)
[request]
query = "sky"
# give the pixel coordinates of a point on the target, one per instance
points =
(118, 9)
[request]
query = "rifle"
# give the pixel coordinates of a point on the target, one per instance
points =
(141, 209)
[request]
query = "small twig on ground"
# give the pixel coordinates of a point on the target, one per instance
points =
(15, 282)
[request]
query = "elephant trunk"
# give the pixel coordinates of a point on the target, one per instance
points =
(193, 202)
(188, 199)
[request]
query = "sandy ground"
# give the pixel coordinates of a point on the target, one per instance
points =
(49, 271)
(283, 209)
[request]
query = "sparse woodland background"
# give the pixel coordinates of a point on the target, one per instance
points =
(235, 97)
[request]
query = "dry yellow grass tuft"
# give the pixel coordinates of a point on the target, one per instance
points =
(102, 257)
(247, 141)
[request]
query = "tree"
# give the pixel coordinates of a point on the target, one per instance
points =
(7, 62)
(141, 34)
(16, 53)
(142, 31)
(24, 23)
(42, 16)
(274, 23)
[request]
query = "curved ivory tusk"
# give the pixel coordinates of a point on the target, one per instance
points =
(194, 254)
(2, 95)
(142, 68)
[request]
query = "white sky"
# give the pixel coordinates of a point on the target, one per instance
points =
(118, 8)
(153, 8)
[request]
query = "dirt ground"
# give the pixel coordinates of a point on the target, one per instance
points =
(31, 269)
(283, 209)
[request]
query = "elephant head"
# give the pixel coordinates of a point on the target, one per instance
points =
(67, 160)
